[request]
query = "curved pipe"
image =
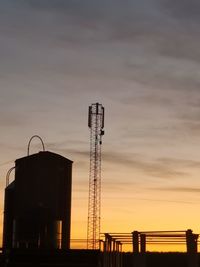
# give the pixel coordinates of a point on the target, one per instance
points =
(8, 176)
(35, 136)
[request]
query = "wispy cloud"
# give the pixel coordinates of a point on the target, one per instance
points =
(154, 168)
(142, 199)
(178, 189)
(158, 200)
(184, 10)
(180, 163)
(6, 162)
(159, 168)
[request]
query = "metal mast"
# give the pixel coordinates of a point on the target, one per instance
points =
(96, 125)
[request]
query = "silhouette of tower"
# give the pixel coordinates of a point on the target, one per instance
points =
(96, 125)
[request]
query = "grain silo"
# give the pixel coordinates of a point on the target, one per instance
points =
(37, 211)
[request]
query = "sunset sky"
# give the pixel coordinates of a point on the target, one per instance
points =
(141, 60)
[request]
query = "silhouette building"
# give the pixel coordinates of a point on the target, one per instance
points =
(37, 207)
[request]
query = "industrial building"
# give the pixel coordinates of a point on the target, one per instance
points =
(37, 208)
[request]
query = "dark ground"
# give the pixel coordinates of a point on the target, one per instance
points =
(86, 258)
(159, 260)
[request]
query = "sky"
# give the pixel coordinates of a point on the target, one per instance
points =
(141, 60)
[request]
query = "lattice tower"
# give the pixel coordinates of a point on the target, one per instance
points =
(96, 125)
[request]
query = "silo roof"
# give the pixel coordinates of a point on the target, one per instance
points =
(46, 154)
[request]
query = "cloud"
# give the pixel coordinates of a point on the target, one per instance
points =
(191, 128)
(136, 40)
(156, 168)
(106, 20)
(6, 163)
(179, 189)
(156, 200)
(109, 186)
(150, 99)
(12, 120)
(180, 163)
(65, 144)
(183, 10)
(10, 146)
(65, 44)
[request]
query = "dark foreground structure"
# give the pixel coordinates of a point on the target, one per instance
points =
(50, 258)
(87, 258)
(37, 218)
(37, 207)
(113, 242)
(170, 259)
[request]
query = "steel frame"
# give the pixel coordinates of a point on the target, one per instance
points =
(96, 125)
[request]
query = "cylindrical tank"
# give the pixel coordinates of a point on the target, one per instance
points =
(42, 201)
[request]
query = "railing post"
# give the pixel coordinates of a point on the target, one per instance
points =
(121, 255)
(113, 252)
(135, 241)
(143, 243)
(139, 249)
(142, 250)
(191, 242)
(106, 251)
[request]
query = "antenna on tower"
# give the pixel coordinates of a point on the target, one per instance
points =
(96, 125)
